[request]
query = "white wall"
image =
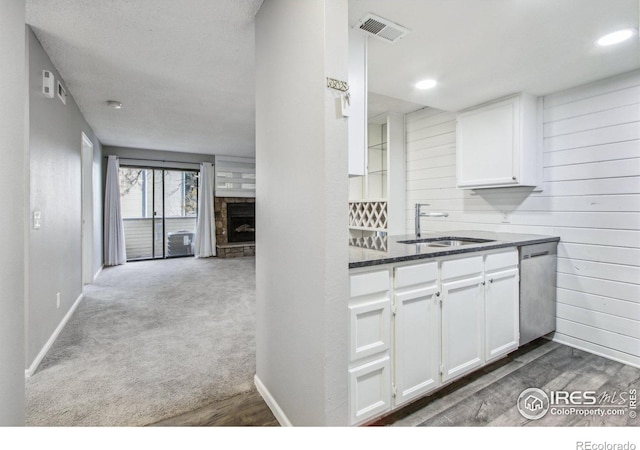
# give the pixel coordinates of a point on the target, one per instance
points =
(590, 198)
(301, 210)
(12, 202)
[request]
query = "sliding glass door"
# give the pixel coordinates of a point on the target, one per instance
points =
(180, 212)
(159, 210)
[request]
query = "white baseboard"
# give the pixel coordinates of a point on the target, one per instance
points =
(605, 352)
(36, 362)
(271, 403)
(95, 277)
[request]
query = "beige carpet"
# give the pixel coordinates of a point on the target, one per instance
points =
(150, 340)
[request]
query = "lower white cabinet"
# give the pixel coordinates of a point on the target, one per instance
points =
(462, 326)
(370, 327)
(415, 327)
(370, 345)
(416, 332)
(370, 389)
(501, 299)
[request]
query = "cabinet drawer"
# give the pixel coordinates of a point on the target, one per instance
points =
(426, 273)
(369, 283)
(502, 260)
(462, 267)
(370, 328)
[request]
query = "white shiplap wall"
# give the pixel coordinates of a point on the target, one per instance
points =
(590, 198)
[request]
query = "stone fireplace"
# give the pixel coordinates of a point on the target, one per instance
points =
(235, 226)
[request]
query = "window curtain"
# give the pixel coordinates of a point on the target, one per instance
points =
(205, 244)
(114, 246)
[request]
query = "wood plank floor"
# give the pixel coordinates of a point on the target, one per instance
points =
(246, 409)
(485, 398)
(488, 398)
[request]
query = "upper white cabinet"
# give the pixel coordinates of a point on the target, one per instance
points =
(377, 164)
(498, 144)
(384, 181)
(357, 122)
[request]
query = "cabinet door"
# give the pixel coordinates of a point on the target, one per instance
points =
(369, 328)
(487, 142)
(502, 313)
(370, 390)
(417, 343)
(462, 326)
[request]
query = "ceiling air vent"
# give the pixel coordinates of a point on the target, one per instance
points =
(381, 28)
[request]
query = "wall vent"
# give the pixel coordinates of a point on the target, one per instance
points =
(62, 93)
(381, 28)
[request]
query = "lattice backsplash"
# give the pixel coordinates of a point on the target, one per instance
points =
(368, 215)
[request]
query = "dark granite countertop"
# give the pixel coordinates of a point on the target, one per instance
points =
(386, 250)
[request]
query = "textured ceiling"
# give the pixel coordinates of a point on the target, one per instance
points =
(184, 70)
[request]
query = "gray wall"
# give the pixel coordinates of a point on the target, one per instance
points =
(12, 219)
(54, 253)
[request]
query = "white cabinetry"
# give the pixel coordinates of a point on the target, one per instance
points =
(498, 144)
(417, 326)
(416, 331)
(369, 347)
(384, 179)
(357, 122)
(502, 284)
(462, 316)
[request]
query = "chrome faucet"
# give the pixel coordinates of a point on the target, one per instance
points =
(419, 214)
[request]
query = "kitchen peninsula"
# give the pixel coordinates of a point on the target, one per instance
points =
(426, 311)
(371, 251)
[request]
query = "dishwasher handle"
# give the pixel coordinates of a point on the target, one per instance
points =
(535, 255)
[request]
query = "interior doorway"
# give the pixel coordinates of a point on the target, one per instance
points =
(159, 211)
(87, 209)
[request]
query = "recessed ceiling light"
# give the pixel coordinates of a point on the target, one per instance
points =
(114, 104)
(615, 38)
(426, 84)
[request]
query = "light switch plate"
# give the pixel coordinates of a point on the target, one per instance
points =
(37, 220)
(345, 103)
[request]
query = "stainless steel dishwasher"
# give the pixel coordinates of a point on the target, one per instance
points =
(538, 264)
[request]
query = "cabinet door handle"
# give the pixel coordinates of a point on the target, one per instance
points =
(491, 280)
(483, 283)
(513, 178)
(438, 294)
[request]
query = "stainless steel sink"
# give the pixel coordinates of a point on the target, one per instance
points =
(445, 241)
